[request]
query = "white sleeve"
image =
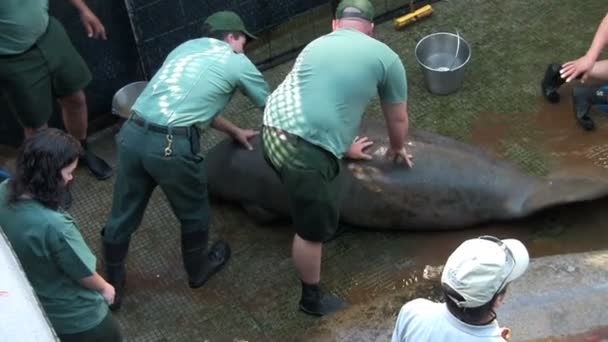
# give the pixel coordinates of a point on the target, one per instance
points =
(400, 325)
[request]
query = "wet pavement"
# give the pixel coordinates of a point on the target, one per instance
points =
(499, 109)
(255, 297)
(558, 296)
(596, 335)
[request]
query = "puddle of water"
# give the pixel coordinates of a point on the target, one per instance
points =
(566, 150)
(569, 151)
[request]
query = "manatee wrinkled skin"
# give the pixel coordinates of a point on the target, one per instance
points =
(452, 185)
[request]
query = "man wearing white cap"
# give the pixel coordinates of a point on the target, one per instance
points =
(474, 282)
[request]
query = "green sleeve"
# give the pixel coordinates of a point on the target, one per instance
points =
(393, 89)
(252, 83)
(70, 253)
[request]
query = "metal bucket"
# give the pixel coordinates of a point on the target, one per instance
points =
(442, 57)
(124, 98)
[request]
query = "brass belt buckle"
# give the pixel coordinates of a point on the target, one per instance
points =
(168, 150)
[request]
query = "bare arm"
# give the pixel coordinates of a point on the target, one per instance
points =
(224, 125)
(91, 23)
(237, 133)
(583, 65)
(599, 40)
(96, 283)
(80, 5)
(397, 123)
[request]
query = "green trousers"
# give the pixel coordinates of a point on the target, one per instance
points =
(142, 165)
(106, 331)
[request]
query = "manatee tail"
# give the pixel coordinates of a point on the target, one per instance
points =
(557, 191)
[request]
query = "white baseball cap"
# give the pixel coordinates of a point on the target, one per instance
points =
(480, 268)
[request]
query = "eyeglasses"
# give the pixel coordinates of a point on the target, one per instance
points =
(509, 258)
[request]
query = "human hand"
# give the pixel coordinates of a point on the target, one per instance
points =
(243, 136)
(579, 67)
(92, 25)
(108, 293)
(355, 150)
(401, 153)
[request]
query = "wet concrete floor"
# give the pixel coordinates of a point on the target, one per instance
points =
(255, 297)
(596, 335)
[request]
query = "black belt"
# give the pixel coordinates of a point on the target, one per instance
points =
(180, 130)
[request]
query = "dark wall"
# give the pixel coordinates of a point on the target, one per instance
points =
(113, 62)
(142, 32)
(161, 25)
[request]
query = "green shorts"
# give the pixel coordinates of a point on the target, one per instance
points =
(310, 175)
(50, 69)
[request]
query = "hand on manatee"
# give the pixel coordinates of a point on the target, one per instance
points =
(580, 67)
(355, 150)
(401, 153)
(243, 136)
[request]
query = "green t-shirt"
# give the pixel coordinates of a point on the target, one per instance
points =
(54, 257)
(22, 22)
(332, 81)
(195, 83)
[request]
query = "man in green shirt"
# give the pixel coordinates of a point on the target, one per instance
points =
(311, 119)
(159, 145)
(38, 64)
(58, 263)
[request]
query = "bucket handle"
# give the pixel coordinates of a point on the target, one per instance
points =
(457, 49)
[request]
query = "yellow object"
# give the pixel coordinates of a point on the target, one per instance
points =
(404, 20)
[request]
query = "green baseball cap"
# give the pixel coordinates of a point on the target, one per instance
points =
(366, 9)
(227, 21)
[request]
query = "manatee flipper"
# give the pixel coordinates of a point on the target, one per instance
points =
(559, 191)
(259, 214)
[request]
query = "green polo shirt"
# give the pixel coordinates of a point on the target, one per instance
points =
(54, 257)
(22, 22)
(333, 79)
(195, 83)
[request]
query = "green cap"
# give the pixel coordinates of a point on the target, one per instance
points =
(227, 21)
(366, 9)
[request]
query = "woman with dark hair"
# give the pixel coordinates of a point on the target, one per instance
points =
(54, 256)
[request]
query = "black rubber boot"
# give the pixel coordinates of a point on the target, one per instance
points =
(583, 98)
(551, 83)
(114, 256)
(316, 301)
(98, 167)
(199, 262)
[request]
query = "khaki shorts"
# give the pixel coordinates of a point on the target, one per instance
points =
(311, 177)
(50, 69)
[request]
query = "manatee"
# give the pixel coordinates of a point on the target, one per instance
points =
(452, 185)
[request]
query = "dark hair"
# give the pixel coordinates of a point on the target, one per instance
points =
(475, 316)
(38, 168)
(221, 35)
